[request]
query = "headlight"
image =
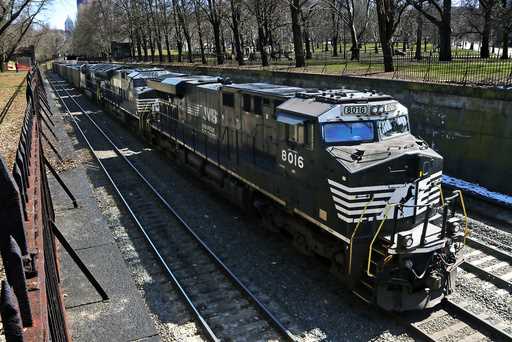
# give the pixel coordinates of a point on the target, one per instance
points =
(377, 109)
(405, 241)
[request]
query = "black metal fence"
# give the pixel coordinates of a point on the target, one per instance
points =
(463, 69)
(31, 304)
(466, 68)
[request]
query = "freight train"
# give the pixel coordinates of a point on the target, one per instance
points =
(338, 171)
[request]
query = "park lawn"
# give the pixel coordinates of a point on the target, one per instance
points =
(10, 127)
(457, 71)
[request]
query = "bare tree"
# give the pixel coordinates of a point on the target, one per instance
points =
(236, 6)
(213, 12)
(295, 11)
(419, 34)
(389, 13)
(355, 14)
(442, 19)
(199, 29)
(505, 21)
(10, 11)
(15, 25)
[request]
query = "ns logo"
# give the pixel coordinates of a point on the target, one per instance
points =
(292, 158)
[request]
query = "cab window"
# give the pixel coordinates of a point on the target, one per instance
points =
(296, 134)
(228, 99)
(393, 126)
(348, 132)
(301, 134)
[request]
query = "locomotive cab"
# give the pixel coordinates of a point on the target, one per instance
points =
(381, 196)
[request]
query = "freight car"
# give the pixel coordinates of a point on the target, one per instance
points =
(336, 170)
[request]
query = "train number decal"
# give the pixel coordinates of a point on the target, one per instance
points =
(293, 158)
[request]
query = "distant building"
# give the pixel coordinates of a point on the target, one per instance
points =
(69, 26)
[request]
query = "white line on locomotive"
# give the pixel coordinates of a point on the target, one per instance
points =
(338, 171)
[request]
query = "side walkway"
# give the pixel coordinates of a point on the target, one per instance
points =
(124, 317)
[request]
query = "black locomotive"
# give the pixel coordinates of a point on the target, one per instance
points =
(337, 170)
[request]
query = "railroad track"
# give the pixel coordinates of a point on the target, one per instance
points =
(458, 320)
(489, 263)
(223, 307)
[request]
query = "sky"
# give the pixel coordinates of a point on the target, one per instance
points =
(58, 11)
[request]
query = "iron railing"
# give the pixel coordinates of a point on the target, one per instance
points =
(31, 303)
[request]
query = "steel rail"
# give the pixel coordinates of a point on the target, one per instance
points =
(260, 306)
(481, 272)
(204, 325)
(449, 305)
(491, 250)
(461, 314)
(467, 266)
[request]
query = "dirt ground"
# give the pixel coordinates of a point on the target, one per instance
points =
(10, 126)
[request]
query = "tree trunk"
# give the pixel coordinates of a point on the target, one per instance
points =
(486, 34)
(145, 48)
(261, 46)
(504, 44)
(309, 55)
(445, 49)
(235, 19)
(168, 48)
(199, 32)
(445, 32)
(387, 53)
(386, 22)
(139, 47)
(419, 33)
(334, 43)
(297, 34)
(355, 43)
(218, 45)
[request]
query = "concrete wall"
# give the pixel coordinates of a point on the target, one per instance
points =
(470, 127)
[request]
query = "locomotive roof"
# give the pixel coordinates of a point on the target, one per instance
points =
(175, 85)
(266, 89)
(339, 96)
(147, 73)
(306, 107)
(329, 105)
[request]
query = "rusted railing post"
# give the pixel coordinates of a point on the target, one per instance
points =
(10, 313)
(11, 214)
(15, 271)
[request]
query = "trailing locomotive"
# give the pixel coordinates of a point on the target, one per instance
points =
(338, 171)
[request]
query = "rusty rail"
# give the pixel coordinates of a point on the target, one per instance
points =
(31, 302)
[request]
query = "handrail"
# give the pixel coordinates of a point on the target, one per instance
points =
(463, 205)
(442, 196)
(354, 234)
(386, 211)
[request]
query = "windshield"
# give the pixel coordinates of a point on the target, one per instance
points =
(393, 126)
(344, 132)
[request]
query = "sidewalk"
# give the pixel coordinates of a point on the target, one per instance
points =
(124, 317)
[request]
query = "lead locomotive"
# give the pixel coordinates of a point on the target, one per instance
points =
(338, 171)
